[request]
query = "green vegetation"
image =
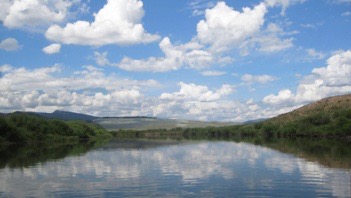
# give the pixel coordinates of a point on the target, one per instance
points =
(327, 117)
(330, 117)
(27, 128)
(337, 124)
(321, 124)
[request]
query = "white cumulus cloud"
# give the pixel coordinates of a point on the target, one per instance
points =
(172, 60)
(333, 79)
(5, 6)
(222, 30)
(193, 101)
(29, 14)
(191, 55)
(52, 49)
(118, 23)
(271, 39)
(89, 90)
(284, 97)
(197, 92)
(225, 27)
(10, 44)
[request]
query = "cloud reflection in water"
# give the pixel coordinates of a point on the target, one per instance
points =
(201, 168)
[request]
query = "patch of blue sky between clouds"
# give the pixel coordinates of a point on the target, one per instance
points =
(209, 60)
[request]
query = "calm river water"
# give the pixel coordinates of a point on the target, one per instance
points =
(177, 169)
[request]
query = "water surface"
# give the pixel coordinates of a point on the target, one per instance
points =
(177, 168)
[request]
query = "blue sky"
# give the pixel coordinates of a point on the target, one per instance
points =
(201, 60)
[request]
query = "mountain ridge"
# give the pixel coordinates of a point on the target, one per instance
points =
(64, 115)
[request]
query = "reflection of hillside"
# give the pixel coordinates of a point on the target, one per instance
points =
(141, 123)
(20, 156)
(331, 153)
(137, 144)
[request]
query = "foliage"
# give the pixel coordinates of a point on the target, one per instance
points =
(317, 124)
(28, 128)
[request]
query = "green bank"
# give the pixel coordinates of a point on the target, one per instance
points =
(28, 128)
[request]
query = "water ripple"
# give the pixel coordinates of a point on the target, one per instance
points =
(204, 169)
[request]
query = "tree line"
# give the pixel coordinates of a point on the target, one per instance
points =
(318, 124)
(27, 128)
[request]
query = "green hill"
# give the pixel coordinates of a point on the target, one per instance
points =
(66, 115)
(327, 117)
(326, 107)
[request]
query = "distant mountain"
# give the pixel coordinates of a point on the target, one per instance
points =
(128, 117)
(149, 123)
(254, 121)
(128, 122)
(66, 115)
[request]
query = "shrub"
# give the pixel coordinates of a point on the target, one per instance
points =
(269, 129)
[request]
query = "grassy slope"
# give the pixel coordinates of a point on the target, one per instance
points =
(327, 117)
(327, 106)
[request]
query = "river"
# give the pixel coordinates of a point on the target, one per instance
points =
(178, 168)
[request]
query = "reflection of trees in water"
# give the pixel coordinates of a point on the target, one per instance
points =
(331, 153)
(21, 156)
(334, 153)
(139, 143)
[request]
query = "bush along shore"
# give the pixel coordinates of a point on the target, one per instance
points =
(264, 130)
(27, 128)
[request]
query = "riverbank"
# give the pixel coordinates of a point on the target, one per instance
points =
(27, 129)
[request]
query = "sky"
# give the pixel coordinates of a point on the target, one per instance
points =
(207, 60)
